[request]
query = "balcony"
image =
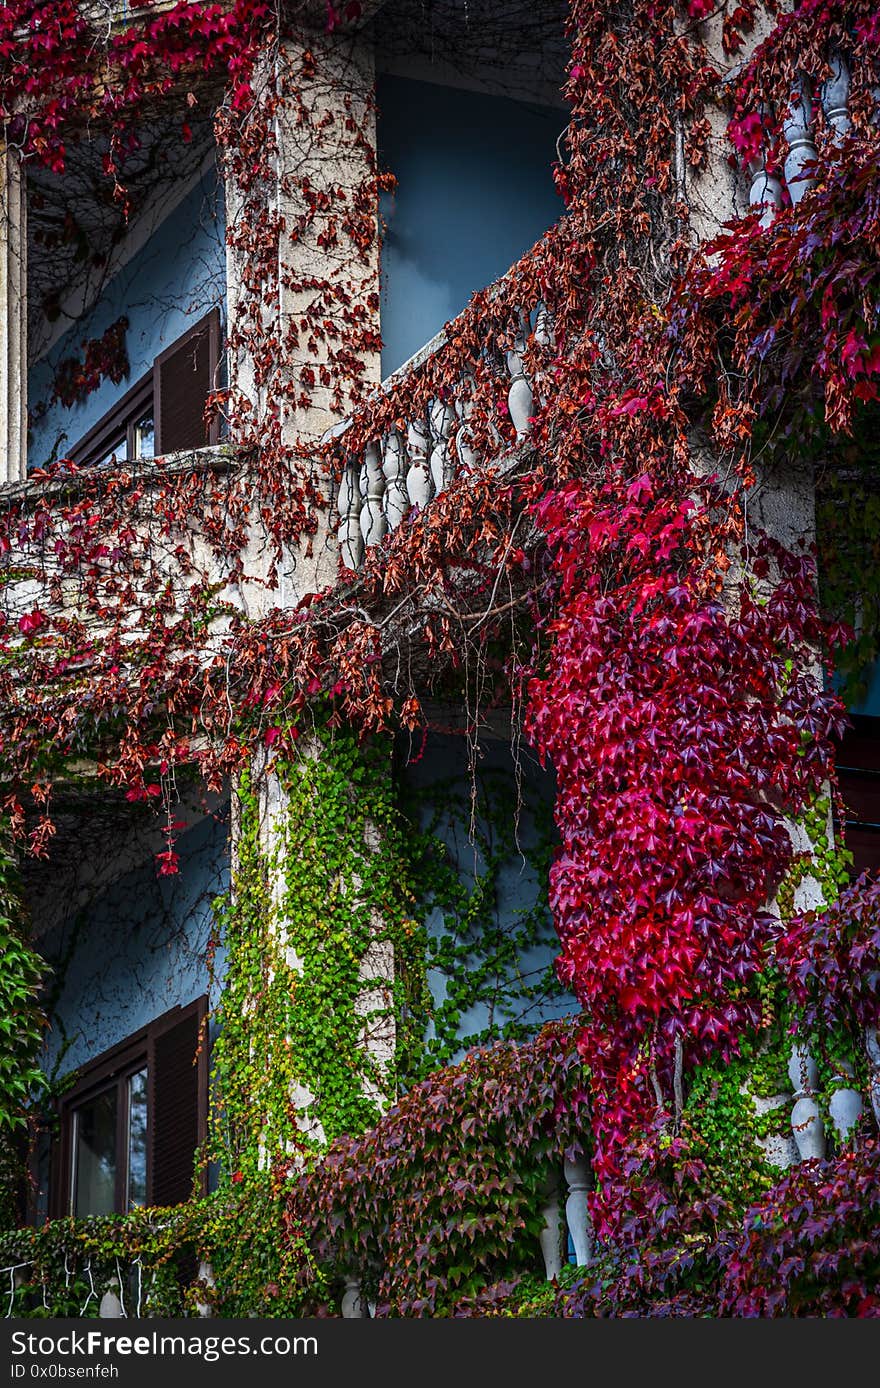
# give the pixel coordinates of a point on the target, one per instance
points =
(464, 403)
(476, 1179)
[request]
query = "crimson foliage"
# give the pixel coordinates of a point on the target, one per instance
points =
(810, 1248)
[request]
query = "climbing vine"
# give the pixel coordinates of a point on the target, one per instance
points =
(21, 1028)
(446, 1193)
(154, 1261)
(481, 871)
(324, 999)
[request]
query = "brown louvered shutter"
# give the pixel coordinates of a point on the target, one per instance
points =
(177, 1103)
(183, 377)
(858, 774)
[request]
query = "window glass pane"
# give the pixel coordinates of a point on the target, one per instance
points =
(137, 1139)
(116, 453)
(94, 1172)
(145, 438)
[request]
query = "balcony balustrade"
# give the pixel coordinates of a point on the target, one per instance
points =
(801, 158)
(433, 441)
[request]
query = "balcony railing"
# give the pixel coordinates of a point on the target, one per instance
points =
(450, 411)
(566, 1226)
(801, 156)
(155, 1265)
(110, 1267)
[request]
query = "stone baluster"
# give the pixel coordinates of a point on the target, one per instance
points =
(545, 334)
(205, 1276)
(797, 128)
(418, 477)
(550, 1236)
(441, 416)
(806, 1121)
(351, 541)
(835, 98)
(464, 404)
(546, 340)
(872, 1046)
(520, 400)
(765, 192)
(352, 1304)
(394, 464)
(545, 337)
(577, 1211)
(845, 1105)
(111, 1306)
(372, 488)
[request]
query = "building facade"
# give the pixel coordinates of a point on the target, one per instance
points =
(299, 335)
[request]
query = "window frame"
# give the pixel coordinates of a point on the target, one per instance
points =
(111, 1069)
(210, 324)
(117, 1082)
(124, 415)
(146, 396)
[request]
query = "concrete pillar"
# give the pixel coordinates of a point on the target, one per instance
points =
(13, 319)
(315, 323)
(717, 193)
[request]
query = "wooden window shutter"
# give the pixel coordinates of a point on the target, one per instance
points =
(178, 1090)
(183, 377)
(858, 774)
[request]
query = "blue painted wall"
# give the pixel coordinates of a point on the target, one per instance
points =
(475, 190)
(172, 282)
(870, 704)
(140, 949)
(437, 794)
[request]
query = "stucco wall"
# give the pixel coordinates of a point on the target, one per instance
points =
(475, 190)
(138, 949)
(172, 282)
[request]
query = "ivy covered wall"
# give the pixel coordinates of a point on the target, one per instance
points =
(166, 287)
(490, 938)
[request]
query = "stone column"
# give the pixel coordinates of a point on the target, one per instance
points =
(318, 322)
(372, 1003)
(716, 193)
(13, 319)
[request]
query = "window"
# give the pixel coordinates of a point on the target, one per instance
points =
(164, 412)
(858, 773)
(131, 1124)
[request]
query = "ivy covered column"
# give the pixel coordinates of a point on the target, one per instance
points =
(324, 998)
(715, 190)
(21, 1026)
(303, 271)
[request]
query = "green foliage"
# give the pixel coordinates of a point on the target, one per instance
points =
(478, 956)
(151, 1259)
(258, 1267)
(21, 1024)
(829, 863)
(722, 1126)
